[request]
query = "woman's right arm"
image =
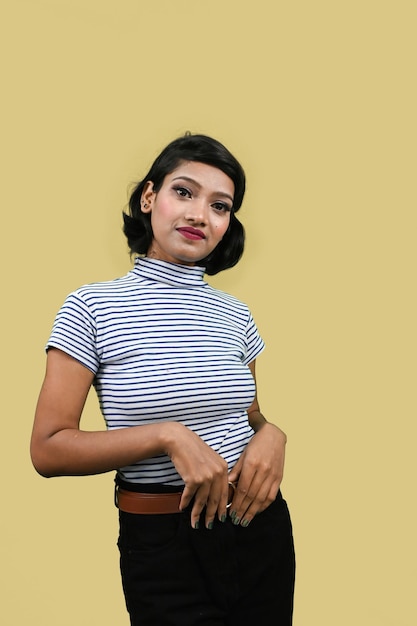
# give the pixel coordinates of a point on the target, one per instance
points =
(58, 446)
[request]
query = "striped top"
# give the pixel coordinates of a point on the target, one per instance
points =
(165, 345)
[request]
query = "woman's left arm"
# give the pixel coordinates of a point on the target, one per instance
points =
(258, 472)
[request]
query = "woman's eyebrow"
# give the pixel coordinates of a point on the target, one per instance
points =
(197, 184)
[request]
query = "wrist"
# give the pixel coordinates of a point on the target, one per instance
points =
(280, 433)
(256, 420)
(169, 436)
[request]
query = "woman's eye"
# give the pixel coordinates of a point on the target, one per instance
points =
(221, 206)
(183, 192)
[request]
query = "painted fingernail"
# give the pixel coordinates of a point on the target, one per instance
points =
(236, 521)
(223, 518)
(232, 514)
(196, 525)
(210, 525)
(245, 523)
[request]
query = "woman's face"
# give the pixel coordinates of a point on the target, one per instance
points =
(190, 213)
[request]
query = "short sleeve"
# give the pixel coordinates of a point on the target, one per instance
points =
(255, 344)
(74, 332)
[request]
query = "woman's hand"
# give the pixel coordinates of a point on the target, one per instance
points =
(204, 473)
(258, 472)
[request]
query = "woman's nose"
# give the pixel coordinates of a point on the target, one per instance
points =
(197, 212)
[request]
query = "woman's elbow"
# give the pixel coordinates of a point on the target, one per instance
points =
(41, 462)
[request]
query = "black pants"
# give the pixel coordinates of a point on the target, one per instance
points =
(174, 575)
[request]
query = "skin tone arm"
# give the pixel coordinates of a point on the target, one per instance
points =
(259, 471)
(59, 447)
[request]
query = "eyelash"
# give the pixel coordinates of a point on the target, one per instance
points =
(179, 188)
(219, 206)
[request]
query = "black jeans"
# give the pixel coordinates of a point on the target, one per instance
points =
(174, 575)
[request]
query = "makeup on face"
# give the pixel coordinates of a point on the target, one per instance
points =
(190, 213)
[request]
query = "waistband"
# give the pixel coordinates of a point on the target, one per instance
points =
(151, 503)
(147, 503)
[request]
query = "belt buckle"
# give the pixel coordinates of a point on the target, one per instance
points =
(116, 496)
(232, 489)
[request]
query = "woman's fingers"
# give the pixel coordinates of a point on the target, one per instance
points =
(257, 486)
(258, 474)
(200, 500)
(208, 496)
(217, 502)
(210, 499)
(252, 500)
(204, 473)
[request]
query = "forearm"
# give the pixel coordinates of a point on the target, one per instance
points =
(75, 452)
(258, 421)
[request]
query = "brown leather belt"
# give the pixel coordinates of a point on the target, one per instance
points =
(153, 503)
(147, 503)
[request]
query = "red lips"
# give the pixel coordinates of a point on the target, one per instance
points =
(191, 233)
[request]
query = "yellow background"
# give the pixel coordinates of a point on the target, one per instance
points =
(318, 101)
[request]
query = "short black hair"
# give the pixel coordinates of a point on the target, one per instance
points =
(137, 225)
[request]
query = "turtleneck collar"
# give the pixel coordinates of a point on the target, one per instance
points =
(169, 273)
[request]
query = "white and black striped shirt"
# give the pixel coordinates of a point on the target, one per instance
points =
(165, 345)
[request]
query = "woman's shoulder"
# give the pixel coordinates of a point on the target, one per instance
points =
(104, 287)
(93, 296)
(227, 298)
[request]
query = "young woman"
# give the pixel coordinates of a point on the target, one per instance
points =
(205, 535)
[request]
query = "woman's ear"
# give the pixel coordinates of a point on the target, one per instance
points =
(147, 198)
